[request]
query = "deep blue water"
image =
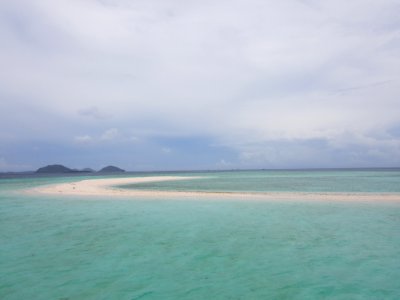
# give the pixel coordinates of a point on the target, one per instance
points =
(101, 248)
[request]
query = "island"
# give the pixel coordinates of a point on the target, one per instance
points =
(54, 169)
(111, 169)
(60, 169)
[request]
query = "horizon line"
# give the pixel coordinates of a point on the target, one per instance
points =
(219, 170)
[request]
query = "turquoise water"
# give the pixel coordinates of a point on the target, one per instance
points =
(369, 181)
(100, 248)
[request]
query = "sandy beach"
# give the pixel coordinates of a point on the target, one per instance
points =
(114, 187)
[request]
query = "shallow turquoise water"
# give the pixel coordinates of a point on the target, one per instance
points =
(99, 248)
(375, 181)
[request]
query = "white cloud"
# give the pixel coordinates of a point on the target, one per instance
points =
(166, 150)
(110, 134)
(83, 139)
(93, 112)
(134, 139)
(223, 164)
(244, 72)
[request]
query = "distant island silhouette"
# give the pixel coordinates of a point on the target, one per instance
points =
(111, 169)
(60, 169)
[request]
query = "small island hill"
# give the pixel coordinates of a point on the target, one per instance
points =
(60, 169)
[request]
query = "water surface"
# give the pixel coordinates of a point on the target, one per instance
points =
(102, 248)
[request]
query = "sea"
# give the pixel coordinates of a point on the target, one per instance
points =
(69, 247)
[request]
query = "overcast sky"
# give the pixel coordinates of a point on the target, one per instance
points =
(173, 84)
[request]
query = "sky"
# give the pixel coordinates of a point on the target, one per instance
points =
(179, 85)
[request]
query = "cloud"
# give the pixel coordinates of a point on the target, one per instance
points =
(257, 77)
(93, 112)
(223, 164)
(166, 150)
(110, 134)
(83, 139)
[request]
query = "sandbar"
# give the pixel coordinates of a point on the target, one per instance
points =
(114, 187)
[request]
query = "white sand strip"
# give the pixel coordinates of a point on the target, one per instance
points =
(109, 187)
(101, 187)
